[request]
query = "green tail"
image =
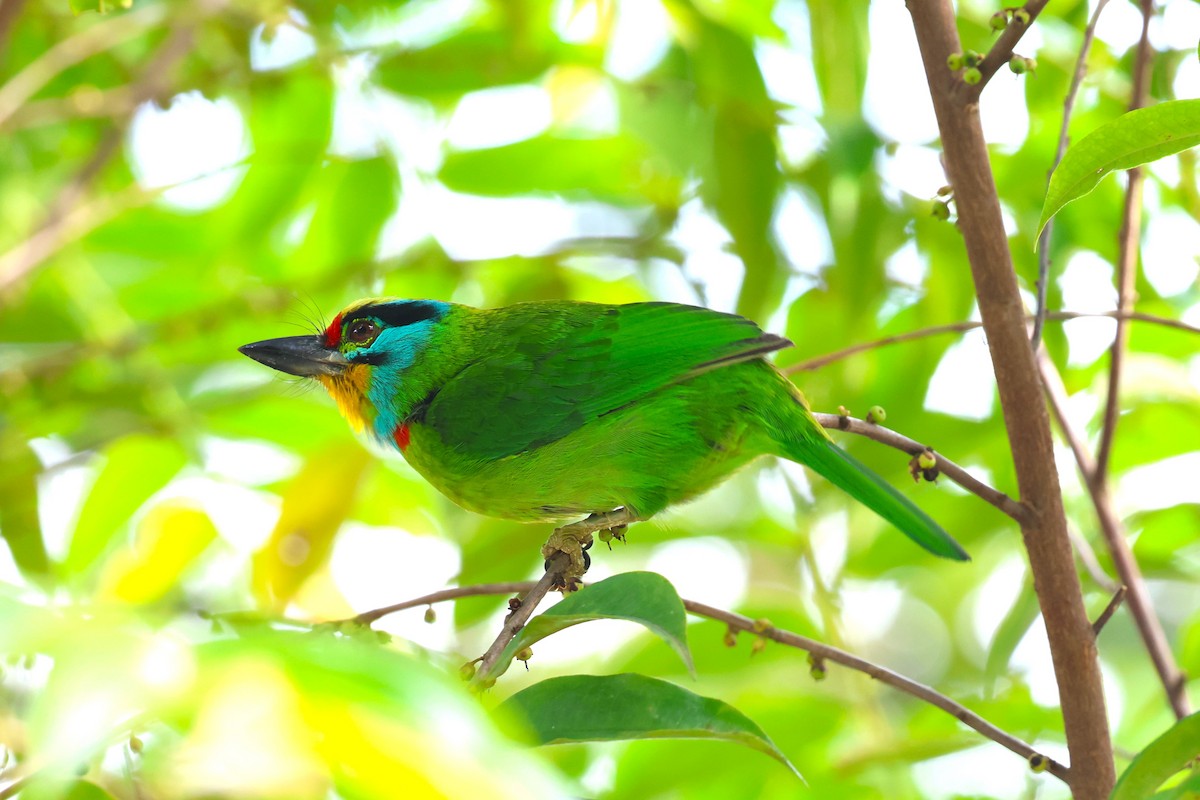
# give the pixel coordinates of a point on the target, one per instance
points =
(844, 471)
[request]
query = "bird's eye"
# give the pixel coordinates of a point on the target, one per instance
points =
(362, 331)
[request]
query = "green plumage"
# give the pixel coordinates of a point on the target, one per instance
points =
(555, 410)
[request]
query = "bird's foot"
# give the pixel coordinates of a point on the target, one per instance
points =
(576, 538)
(575, 544)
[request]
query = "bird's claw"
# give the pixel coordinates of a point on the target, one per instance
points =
(575, 544)
(575, 539)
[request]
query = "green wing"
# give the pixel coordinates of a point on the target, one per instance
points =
(551, 367)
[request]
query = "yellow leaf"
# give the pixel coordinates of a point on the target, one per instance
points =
(168, 540)
(315, 504)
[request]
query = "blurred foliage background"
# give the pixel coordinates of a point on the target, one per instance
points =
(178, 179)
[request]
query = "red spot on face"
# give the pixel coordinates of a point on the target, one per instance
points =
(333, 334)
(401, 436)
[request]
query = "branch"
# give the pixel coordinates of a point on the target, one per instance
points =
(947, 467)
(883, 675)
(739, 623)
(1051, 560)
(999, 54)
(1129, 240)
(962, 327)
(152, 82)
(456, 593)
(516, 620)
(9, 11)
(102, 36)
(1043, 246)
(1140, 606)
(1109, 610)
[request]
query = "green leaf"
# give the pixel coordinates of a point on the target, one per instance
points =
(614, 168)
(471, 60)
(1162, 758)
(646, 598)
(601, 708)
(135, 467)
(1012, 630)
(1138, 137)
(19, 522)
(1188, 790)
(356, 199)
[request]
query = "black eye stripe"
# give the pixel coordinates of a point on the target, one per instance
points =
(397, 315)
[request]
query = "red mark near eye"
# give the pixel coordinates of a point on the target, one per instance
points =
(333, 334)
(401, 436)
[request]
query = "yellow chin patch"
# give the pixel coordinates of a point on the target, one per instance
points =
(349, 391)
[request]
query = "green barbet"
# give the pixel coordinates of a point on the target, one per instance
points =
(549, 411)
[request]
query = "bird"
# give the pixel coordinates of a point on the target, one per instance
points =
(548, 411)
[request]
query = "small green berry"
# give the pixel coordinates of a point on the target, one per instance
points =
(998, 21)
(1017, 65)
(730, 637)
(1020, 16)
(876, 415)
(1031, 65)
(940, 210)
(135, 744)
(954, 61)
(972, 76)
(816, 667)
(467, 671)
(945, 190)
(927, 460)
(430, 615)
(972, 58)
(524, 654)
(1039, 763)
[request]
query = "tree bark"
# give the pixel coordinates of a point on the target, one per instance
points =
(1072, 644)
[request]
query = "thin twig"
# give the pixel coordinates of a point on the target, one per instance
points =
(883, 675)
(512, 587)
(1130, 574)
(9, 11)
(1129, 241)
(811, 364)
(741, 623)
(555, 567)
(1000, 52)
(101, 36)
(1091, 564)
(1043, 247)
(152, 82)
(947, 467)
(1109, 610)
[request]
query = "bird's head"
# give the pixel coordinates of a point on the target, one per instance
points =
(362, 358)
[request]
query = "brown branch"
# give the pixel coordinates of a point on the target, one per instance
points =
(103, 35)
(153, 81)
(555, 567)
(455, 593)
(962, 327)
(1091, 564)
(1051, 560)
(1128, 571)
(1043, 245)
(883, 675)
(1109, 610)
(998, 55)
(9, 11)
(947, 467)
(818, 649)
(1129, 241)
